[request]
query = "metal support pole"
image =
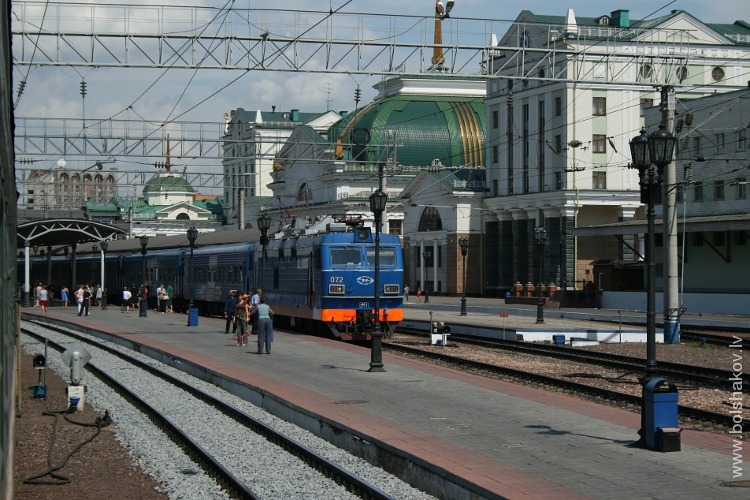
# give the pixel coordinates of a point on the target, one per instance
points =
(651, 185)
(671, 260)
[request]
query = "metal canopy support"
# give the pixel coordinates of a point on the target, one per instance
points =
(55, 232)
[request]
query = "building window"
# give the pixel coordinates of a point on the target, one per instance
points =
(599, 180)
(495, 119)
(740, 238)
(495, 153)
(698, 239)
(558, 144)
(719, 141)
(742, 139)
(558, 106)
(395, 227)
(494, 187)
(719, 239)
(719, 190)
(558, 180)
(717, 74)
(600, 106)
(698, 191)
(646, 72)
(741, 188)
(599, 143)
(645, 104)
(697, 146)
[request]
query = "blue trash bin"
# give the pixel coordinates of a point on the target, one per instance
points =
(193, 316)
(659, 410)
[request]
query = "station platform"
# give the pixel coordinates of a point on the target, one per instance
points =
(497, 439)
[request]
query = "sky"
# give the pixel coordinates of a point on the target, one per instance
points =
(205, 95)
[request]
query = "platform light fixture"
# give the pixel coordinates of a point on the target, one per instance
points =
(464, 244)
(378, 201)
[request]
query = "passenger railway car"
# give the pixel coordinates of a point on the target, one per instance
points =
(314, 281)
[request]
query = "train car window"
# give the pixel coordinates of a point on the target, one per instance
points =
(316, 258)
(387, 257)
(281, 252)
(276, 278)
(346, 257)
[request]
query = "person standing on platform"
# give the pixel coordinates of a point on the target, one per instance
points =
(265, 326)
(170, 294)
(242, 313)
(254, 301)
(230, 309)
(163, 298)
(43, 296)
(406, 293)
(86, 302)
(79, 298)
(126, 297)
(419, 294)
(64, 296)
(99, 293)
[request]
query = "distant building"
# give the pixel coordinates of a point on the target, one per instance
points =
(67, 189)
(250, 143)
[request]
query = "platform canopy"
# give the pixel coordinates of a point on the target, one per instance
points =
(55, 232)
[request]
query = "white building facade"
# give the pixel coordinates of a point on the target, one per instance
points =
(558, 148)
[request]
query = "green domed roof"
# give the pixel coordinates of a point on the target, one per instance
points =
(449, 129)
(167, 182)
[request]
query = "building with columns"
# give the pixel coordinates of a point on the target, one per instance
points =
(558, 150)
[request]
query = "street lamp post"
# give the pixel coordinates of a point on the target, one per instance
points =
(650, 154)
(540, 235)
(264, 223)
(464, 244)
(192, 235)
(144, 303)
(378, 200)
(105, 246)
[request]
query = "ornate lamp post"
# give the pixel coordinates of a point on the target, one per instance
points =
(192, 235)
(464, 244)
(540, 235)
(105, 246)
(650, 154)
(264, 223)
(144, 303)
(378, 200)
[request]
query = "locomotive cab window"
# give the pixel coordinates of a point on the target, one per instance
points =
(345, 257)
(387, 257)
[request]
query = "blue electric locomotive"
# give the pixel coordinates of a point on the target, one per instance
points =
(327, 280)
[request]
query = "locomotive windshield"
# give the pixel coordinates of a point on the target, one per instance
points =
(343, 256)
(387, 257)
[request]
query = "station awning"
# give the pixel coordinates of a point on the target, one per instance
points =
(56, 232)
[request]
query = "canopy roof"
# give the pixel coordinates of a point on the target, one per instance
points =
(53, 232)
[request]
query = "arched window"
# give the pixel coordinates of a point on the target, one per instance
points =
(183, 216)
(303, 194)
(430, 220)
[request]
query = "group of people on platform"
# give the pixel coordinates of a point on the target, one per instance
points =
(133, 296)
(85, 297)
(242, 310)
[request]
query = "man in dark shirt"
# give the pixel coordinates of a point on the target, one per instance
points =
(86, 301)
(230, 308)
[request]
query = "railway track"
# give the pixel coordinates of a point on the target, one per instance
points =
(707, 377)
(458, 362)
(212, 463)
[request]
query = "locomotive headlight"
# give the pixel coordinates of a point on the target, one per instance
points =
(335, 289)
(392, 289)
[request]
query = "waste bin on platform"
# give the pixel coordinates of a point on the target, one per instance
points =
(660, 425)
(193, 316)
